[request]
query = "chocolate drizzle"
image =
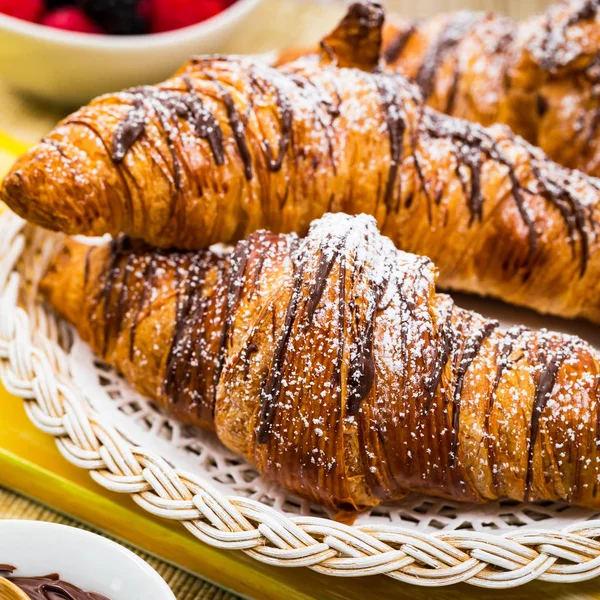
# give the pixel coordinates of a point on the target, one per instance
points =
(129, 130)
(324, 267)
(118, 271)
(167, 104)
(458, 26)
(567, 203)
(585, 12)
(119, 247)
(394, 49)
(190, 306)
(543, 392)
(555, 36)
(327, 111)
(453, 90)
(191, 342)
(148, 282)
(504, 363)
(287, 121)
(473, 345)
(471, 158)
(361, 370)
(235, 282)
(422, 181)
(203, 121)
(471, 141)
(238, 128)
(272, 388)
(443, 349)
(396, 127)
(86, 269)
(57, 146)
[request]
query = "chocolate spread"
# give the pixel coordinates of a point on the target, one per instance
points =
(48, 587)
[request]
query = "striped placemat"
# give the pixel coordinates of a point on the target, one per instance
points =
(9, 149)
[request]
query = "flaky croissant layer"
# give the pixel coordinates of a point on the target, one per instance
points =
(540, 77)
(229, 146)
(332, 364)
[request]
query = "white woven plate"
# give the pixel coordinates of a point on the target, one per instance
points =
(130, 446)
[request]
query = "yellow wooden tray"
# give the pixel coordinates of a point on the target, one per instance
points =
(31, 464)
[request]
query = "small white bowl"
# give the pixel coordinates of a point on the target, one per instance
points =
(84, 559)
(71, 68)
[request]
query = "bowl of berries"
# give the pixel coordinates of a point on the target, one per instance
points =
(68, 51)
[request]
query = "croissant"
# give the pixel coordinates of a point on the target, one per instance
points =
(539, 77)
(229, 146)
(332, 364)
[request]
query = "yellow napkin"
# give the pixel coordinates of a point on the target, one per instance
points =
(9, 150)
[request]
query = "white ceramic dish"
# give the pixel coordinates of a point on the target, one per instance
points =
(71, 68)
(84, 559)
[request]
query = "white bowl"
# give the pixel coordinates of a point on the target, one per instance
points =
(71, 68)
(84, 559)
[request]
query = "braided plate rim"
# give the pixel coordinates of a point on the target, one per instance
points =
(33, 366)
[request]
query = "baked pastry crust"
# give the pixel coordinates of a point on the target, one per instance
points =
(540, 77)
(332, 364)
(229, 146)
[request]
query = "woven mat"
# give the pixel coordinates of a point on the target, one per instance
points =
(184, 585)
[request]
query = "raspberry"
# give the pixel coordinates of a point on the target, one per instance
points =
(28, 10)
(166, 15)
(71, 18)
(119, 17)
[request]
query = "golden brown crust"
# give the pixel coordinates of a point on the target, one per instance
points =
(125, 300)
(229, 146)
(356, 42)
(539, 77)
(341, 374)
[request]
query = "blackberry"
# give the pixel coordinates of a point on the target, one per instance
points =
(52, 4)
(119, 17)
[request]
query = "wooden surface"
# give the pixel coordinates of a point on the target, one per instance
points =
(31, 464)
